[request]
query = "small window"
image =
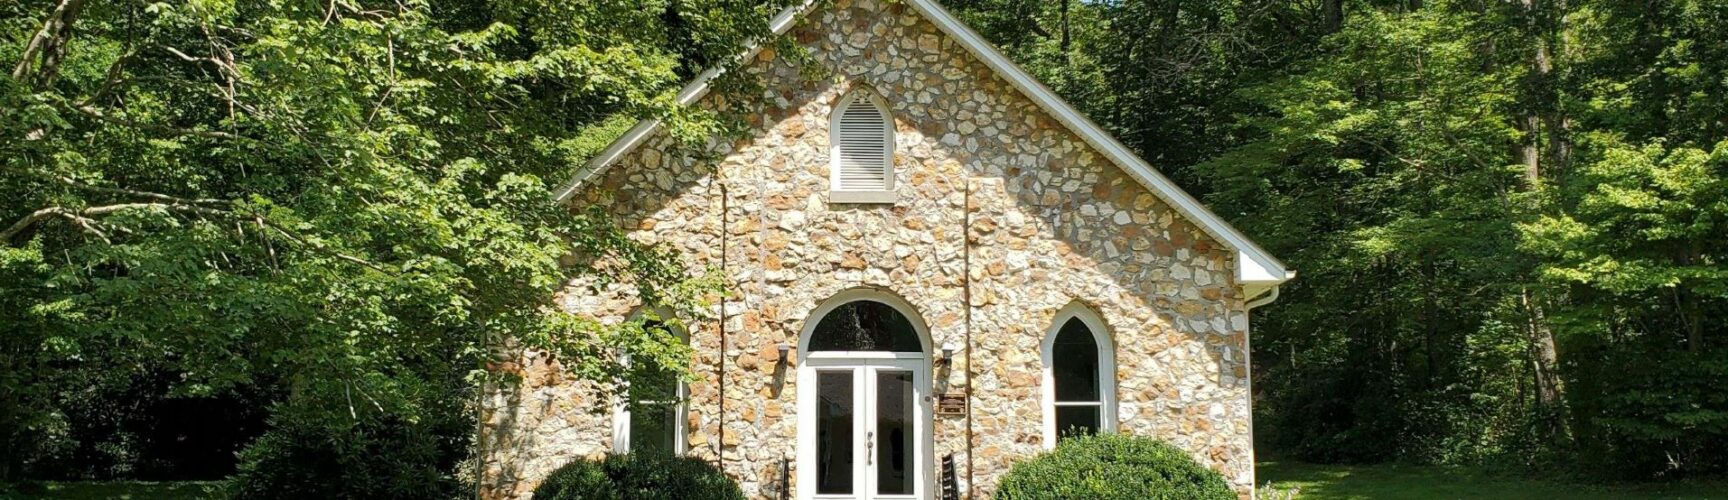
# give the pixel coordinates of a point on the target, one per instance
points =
(862, 138)
(1079, 382)
(655, 422)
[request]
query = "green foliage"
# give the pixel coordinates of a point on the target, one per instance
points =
(1659, 414)
(1156, 74)
(1113, 466)
(638, 476)
(1458, 181)
(343, 205)
(1645, 220)
(1392, 204)
(304, 457)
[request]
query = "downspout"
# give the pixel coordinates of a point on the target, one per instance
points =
(720, 419)
(966, 295)
(1248, 361)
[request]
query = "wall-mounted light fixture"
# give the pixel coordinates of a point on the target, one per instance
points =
(784, 349)
(947, 358)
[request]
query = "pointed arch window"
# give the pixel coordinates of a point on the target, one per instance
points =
(861, 138)
(1079, 376)
(650, 418)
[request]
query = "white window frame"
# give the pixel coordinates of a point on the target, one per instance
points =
(1106, 370)
(621, 402)
(836, 192)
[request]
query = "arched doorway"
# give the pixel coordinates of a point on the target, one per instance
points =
(864, 419)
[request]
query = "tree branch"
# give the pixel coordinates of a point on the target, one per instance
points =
(99, 115)
(49, 43)
(27, 221)
(110, 81)
(127, 192)
(318, 246)
(82, 218)
(88, 224)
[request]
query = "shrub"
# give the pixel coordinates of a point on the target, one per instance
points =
(1113, 466)
(384, 458)
(638, 476)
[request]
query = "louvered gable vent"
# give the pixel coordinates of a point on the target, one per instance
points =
(862, 144)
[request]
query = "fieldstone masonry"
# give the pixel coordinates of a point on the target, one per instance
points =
(993, 194)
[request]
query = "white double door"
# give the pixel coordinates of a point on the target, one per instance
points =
(864, 426)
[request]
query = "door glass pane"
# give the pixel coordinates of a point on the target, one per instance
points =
(834, 432)
(1075, 363)
(894, 407)
(1075, 420)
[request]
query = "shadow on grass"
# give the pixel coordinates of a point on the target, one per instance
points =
(1396, 481)
(117, 490)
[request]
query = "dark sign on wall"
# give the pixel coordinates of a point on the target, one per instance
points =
(952, 403)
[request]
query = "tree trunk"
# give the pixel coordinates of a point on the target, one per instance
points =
(1555, 124)
(1694, 326)
(40, 62)
(1065, 39)
(1540, 120)
(1544, 356)
(1545, 119)
(1332, 15)
(1529, 150)
(1431, 325)
(1693, 315)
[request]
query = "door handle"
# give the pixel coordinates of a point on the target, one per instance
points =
(869, 447)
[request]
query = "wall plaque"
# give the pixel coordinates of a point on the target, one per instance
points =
(952, 403)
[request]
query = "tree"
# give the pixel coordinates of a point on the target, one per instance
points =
(345, 200)
(1501, 208)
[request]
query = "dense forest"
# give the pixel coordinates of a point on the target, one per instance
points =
(1511, 217)
(297, 230)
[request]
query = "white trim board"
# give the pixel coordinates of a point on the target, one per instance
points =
(1256, 266)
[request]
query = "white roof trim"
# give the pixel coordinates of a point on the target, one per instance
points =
(1256, 265)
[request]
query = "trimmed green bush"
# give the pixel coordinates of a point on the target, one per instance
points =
(1113, 466)
(638, 476)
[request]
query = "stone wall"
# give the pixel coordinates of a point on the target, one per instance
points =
(1051, 222)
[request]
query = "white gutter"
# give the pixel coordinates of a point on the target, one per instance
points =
(1266, 298)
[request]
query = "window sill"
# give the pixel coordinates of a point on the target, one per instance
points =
(882, 197)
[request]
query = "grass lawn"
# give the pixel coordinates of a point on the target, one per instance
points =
(1317, 482)
(1346, 482)
(121, 490)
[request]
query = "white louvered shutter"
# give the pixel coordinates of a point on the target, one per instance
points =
(862, 147)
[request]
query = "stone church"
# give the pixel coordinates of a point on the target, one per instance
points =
(935, 268)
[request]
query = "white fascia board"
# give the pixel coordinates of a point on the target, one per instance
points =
(1255, 265)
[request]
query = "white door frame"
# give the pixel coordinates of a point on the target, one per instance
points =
(924, 439)
(863, 365)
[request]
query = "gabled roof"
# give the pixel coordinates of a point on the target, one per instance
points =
(1257, 269)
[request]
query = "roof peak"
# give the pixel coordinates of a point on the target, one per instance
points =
(1256, 268)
